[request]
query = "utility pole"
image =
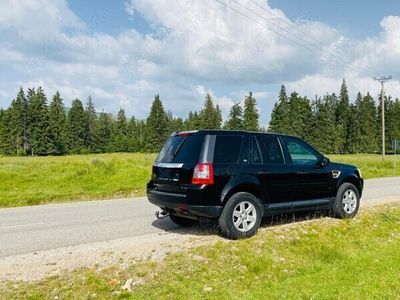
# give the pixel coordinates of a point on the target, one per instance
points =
(382, 80)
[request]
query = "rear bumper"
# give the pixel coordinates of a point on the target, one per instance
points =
(180, 204)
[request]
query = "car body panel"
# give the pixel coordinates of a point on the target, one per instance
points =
(281, 187)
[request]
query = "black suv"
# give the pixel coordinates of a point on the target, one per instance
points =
(238, 177)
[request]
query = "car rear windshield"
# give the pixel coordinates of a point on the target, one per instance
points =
(227, 148)
(181, 149)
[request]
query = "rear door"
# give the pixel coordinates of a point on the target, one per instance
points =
(226, 158)
(268, 162)
(174, 164)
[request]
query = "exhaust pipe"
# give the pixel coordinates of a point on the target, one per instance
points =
(161, 214)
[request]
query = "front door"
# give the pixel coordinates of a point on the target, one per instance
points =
(313, 179)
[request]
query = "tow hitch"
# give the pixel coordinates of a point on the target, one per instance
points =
(162, 214)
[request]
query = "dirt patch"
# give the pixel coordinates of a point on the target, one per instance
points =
(121, 252)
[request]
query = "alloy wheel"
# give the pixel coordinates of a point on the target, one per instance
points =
(349, 201)
(244, 216)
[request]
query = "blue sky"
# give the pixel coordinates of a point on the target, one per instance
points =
(358, 19)
(123, 52)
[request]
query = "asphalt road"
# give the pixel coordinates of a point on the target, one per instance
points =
(35, 228)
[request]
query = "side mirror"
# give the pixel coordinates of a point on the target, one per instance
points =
(325, 161)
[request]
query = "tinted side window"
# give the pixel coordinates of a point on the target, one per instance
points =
(227, 148)
(270, 149)
(181, 149)
(301, 153)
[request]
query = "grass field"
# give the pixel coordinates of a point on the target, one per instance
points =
(371, 165)
(318, 259)
(36, 180)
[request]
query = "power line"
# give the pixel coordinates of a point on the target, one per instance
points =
(306, 46)
(382, 80)
(328, 47)
(262, 24)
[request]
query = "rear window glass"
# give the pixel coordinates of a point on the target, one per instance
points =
(181, 149)
(227, 148)
(270, 150)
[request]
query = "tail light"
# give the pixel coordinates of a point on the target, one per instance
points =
(203, 174)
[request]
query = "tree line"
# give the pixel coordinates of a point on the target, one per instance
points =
(335, 125)
(32, 126)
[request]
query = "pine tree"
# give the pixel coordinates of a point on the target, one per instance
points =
(355, 137)
(141, 131)
(300, 115)
(392, 122)
(368, 117)
(41, 139)
(334, 136)
(178, 124)
(105, 132)
(57, 122)
(343, 118)
(132, 135)
(156, 130)
(120, 134)
(363, 132)
(19, 123)
(76, 128)
(217, 117)
(235, 121)
(174, 124)
(322, 131)
(210, 116)
(6, 140)
(280, 116)
(396, 119)
(92, 131)
(250, 114)
(192, 122)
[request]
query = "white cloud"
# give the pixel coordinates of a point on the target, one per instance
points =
(37, 18)
(375, 56)
(216, 43)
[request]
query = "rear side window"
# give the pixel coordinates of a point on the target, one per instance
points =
(181, 149)
(266, 150)
(227, 148)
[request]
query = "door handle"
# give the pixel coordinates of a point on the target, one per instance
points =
(263, 172)
(301, 173)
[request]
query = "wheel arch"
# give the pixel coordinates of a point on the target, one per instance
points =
(353, 180)
(251, 186)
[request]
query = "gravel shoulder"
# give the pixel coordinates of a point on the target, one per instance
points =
(121, 252)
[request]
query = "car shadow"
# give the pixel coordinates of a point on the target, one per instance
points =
(204, 227)
(209, 227)
(294, 217)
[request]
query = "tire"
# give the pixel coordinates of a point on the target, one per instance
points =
(182, 221)
(347, 201)
(243, 209)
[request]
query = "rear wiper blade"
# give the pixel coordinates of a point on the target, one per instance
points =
(177, 149)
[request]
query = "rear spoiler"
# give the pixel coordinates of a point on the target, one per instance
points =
(184, 133)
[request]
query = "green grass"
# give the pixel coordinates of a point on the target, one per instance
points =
(371, 165)
(318, 259)
(36, 180)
